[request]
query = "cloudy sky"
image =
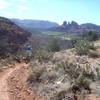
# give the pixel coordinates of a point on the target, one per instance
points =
(81, 11)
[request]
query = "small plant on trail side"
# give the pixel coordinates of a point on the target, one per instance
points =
(82, 47)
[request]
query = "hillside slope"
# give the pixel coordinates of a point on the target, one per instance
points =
(11, 36)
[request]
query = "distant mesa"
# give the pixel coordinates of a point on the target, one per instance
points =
(74, 28)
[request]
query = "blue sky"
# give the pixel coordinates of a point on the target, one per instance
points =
(81, 11)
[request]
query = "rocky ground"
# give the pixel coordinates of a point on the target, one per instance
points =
(17, 83)
(14, 83)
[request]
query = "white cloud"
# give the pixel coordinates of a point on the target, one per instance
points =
(22, 8)
(24, 1)
(8, 14)
(4, 4)
(42, 1)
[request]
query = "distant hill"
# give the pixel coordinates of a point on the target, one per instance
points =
(75, 28)
(67, 28)
(35, 24)
(12, 37)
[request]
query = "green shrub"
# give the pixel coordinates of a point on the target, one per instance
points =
(82, 47)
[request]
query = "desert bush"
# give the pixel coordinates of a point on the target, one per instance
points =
(7, 62)
(53, 46)
(75, 70)
(98, 73)
(69, 68)
(93, 53)
(43, 55)
(79, 77)
(35, 75)
(21, 54)
(91, 36)
(82, 47)
(59, 95)
(49, 76)
(80, 84)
